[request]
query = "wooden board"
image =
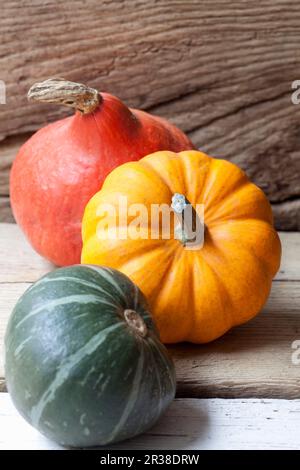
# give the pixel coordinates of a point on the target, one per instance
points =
(193, 424)
(220, 71)
(5, 210)
(254, 360)
(18, 261)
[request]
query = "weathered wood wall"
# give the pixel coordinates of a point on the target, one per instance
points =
(220, 70)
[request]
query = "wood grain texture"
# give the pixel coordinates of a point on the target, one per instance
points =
(8, 150)
(220, 71)
(5, 210)
(253, 360)
(287, 215)
(190, 424)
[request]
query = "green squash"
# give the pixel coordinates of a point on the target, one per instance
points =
(83, 360)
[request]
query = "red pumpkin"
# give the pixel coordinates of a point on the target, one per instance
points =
(64, 164)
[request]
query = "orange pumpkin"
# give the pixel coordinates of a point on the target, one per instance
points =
(195, 295)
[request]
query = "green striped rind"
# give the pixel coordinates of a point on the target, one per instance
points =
(75, 369)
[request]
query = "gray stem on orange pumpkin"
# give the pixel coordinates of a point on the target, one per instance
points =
(63, 92)
(189, 221)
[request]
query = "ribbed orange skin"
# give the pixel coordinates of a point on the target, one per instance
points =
(195, 296)
(62, 166)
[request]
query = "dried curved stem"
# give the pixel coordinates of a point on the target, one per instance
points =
(66, 93)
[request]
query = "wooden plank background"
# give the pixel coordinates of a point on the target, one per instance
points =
(253, 360)
(220, 70)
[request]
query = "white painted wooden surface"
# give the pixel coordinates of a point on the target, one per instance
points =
(193, 424)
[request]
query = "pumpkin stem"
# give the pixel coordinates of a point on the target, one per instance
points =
(71, 94)
(189, 222)
(136, 322)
